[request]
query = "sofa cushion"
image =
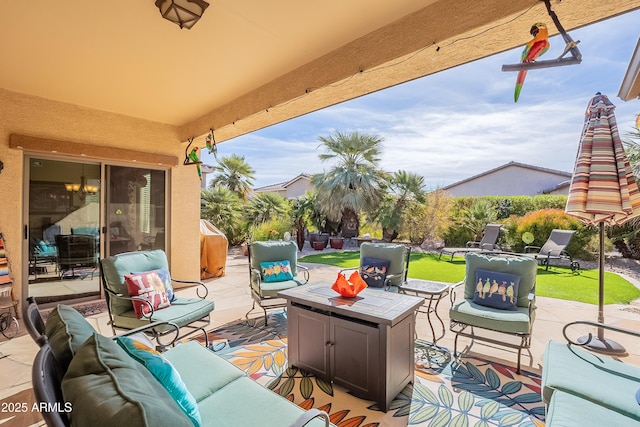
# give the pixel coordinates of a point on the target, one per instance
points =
(599, 379)
(512, 322)
(230, 408)
(67, 330)
(106, 387)
(567, 410)
(526, 268)
(149, 286)
(192, 360)
(495, 289)
(374, 271)
(394, 252)
(276, 271)
(270, 290)
(165, 373)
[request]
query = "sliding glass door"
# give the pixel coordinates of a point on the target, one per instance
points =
(135, 206)
(73, 219)
(62, 229)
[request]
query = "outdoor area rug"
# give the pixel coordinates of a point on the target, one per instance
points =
(473, 392)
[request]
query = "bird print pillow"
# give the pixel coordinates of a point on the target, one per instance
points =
(496, 289)
(374, 271)
(276, 271)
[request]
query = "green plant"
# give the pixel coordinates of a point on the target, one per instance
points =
(223, 208)
(540, 224)
(265, 206)
(353, 183)
(272, 229)
(234, 173)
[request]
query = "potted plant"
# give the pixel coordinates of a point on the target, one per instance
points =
(336, 242)
(319, 245)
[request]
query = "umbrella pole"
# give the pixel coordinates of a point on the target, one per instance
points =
(601, 344)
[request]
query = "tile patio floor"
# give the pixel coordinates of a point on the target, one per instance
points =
(233, 299)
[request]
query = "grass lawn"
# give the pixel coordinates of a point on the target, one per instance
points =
(558, 282)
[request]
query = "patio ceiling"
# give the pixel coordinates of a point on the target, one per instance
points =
(247, 65)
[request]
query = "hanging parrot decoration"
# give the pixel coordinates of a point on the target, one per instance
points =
(210, 143)
(193, 156)
(532, 51)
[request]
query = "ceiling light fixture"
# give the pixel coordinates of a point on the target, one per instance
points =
(185, 13)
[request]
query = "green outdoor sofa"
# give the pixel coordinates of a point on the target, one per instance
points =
(93, 381)
(582, 388)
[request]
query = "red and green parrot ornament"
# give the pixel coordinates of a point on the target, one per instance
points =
(532, 51)
(193, 156)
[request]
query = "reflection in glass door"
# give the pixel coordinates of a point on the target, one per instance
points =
(62, 230)
(135, 209)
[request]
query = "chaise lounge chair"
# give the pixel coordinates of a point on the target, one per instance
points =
(488, 242)
(553, 249)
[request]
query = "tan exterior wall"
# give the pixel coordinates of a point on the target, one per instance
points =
(39, 117)
(298, 188)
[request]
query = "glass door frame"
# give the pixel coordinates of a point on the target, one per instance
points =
(103, 163)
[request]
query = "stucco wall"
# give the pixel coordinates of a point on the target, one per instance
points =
(298, 188)
(510, 181)
(38, 117)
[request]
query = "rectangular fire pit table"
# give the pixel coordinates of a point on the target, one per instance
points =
(365, 343)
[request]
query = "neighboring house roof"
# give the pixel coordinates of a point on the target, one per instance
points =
(502, 180)
(282, 186)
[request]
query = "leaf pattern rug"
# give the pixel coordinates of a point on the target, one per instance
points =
(471, 392)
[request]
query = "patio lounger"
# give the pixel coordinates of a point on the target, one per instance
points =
(488, 242)
(553, 249)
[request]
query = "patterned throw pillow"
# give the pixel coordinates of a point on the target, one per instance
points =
(149, 286)
(165, 373)
(496, 290)
(374, 271)
(165, 276)
(276, 271)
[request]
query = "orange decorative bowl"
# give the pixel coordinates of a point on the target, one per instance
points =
(351, 287)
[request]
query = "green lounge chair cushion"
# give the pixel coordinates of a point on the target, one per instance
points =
(508, 321)
(67, 330)
(567, 410)
(106, 387)
(526, 268)
(394, 252)
(597, 378)
(182, 311)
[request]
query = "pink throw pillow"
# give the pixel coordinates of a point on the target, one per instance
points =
(149, 286)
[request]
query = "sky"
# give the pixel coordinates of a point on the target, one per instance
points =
(461, 122)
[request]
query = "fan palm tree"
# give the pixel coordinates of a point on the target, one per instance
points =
(235, 174)
(354, 182)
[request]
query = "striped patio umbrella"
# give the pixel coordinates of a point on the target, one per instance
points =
(603, 188)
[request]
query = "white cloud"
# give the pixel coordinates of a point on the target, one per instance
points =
(461, 122)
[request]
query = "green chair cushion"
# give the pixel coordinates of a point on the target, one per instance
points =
(106, 387)
(67, 330)
(115, 267)
(271, 289)
(567, 410)
(192, 360)
(508, 321)
(394, 252)
(599, 379)
(230, 408)
(526, 268)
(182, 311)
(165, 373)
(272, 251)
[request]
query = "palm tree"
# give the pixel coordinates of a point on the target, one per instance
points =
(223, 208)
(235, 174)
(354, 182)
(265, 206)
(301, 211)
(405, 187)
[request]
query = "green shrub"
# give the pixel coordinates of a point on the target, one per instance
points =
(540, 223)
(273, 229)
